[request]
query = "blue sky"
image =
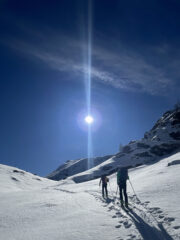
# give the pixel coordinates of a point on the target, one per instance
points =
(135, 76)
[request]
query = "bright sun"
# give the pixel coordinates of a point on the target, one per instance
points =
(89, 119)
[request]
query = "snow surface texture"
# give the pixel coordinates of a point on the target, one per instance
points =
(36, 208)
(161, 141)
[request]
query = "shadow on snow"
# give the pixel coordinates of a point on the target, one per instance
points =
(148, 232)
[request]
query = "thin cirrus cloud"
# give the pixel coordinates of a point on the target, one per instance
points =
(120, 68)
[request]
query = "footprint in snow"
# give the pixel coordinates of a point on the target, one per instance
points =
(169, 219)
(176, 227)
(131, 236)
(114, 216)
(121, 221)
(154, 209)
(111, 208)
(48, 205)
(145, 204)
(118, 226)
(15, 179)
(159, 211)
(119, 214)
(127, 225)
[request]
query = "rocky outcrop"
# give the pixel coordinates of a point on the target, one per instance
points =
(175, 162)
(143, 154)
(164, 149)
(142, 145)
(175, 135)
(126, 149)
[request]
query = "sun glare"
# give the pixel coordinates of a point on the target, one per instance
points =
(89, 119)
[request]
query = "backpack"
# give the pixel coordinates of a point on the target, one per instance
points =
(104, 179)
(122, 175)
(107, 179)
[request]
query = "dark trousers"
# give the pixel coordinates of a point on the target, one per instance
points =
(104, 186)
(122, 190)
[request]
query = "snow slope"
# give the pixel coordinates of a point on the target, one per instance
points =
(46, 209)
(72, 167)
(14, 179)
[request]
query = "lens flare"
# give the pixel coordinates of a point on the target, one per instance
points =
(89, 119)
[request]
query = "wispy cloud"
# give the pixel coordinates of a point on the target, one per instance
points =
(119, 67)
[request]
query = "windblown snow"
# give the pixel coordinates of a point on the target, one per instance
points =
(37, 208)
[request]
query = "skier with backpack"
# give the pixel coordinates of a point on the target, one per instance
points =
(122, 177)
(104, 179)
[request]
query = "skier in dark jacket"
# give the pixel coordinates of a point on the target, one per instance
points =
(122, 177)
(104, 179)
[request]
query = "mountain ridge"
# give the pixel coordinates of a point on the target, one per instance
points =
(161, 140)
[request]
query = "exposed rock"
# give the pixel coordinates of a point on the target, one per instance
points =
(177, 115)
(119, 155)
(175, 135)
(126, 149)
(99, 160)
(150, 160)
(176, 118)
(164, 148)
(142, 145)
(146, 135)
(143, 154)
(167, 113)
(175, 162)
(106, 168)
(138, 164)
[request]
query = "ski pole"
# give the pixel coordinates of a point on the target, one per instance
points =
(134, 191)
(132, 187)
(117, 191)
(116, 194)
(111, 190)
(145, 207)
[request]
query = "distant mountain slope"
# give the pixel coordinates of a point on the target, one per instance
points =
(162, 140)
(72, 167)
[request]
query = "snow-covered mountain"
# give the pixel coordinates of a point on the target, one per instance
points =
(72, 167)
(37, 208)
(162, 140)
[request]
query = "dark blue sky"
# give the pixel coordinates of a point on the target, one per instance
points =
(43, 45)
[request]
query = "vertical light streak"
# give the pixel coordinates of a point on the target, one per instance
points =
(89, 52)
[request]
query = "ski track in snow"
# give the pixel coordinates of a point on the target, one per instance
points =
(36, 208)
(143, 222)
